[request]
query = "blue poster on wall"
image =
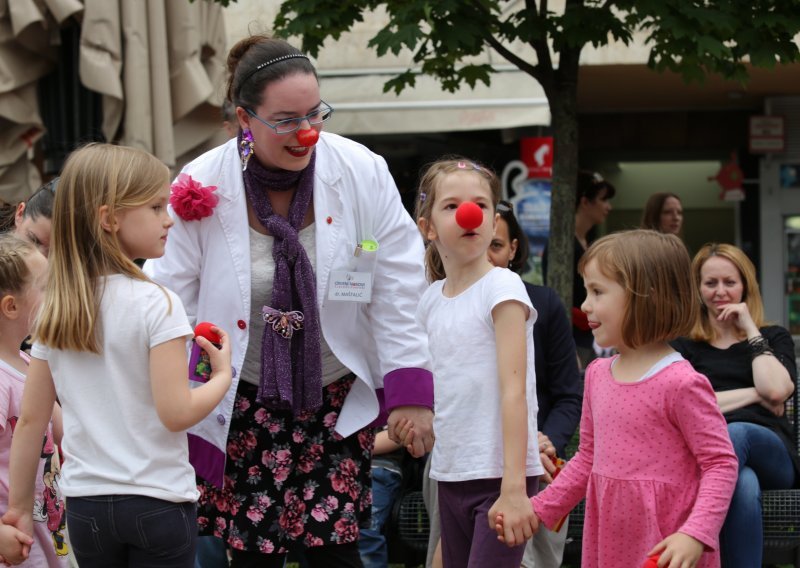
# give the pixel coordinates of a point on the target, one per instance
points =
(532, 208)
(531, 200)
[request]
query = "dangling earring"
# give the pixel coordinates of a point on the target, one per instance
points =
(246, 146)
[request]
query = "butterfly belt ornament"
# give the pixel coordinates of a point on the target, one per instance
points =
(283, 323)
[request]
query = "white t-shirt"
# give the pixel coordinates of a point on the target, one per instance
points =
(467, 420)
(114, 442)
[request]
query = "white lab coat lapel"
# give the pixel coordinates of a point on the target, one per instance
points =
(327, 205)
(232, 210)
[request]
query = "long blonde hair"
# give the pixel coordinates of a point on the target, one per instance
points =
(82, 251)
(751, 295)
(426, 196)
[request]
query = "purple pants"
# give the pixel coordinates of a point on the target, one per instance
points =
(467, 540)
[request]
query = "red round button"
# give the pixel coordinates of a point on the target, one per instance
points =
(329, 220)
(241, 324)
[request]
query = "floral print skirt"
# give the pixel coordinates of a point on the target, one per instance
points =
(289, 481)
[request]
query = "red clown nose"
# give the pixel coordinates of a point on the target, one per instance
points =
(307, 137)
(203, 329)
(469, 215)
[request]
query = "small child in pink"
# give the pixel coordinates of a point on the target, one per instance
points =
(22, 277)
(655, 462)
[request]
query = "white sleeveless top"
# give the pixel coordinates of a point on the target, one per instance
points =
(262, 276)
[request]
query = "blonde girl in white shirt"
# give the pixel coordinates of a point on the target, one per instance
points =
(111, 346)
(479, 322)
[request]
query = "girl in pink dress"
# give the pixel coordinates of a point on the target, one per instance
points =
(655, 462)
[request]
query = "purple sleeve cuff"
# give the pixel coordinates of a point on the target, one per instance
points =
(408, 387)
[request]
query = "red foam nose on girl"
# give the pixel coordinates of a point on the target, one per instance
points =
(307, 137)
(469, 216)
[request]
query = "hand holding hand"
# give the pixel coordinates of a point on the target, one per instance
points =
(15, 544)
(499, 526)
(512, 517)
(419, 438)
(678, 550)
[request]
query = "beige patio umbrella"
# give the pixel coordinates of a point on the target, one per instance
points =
(159, 67)
(28, 43)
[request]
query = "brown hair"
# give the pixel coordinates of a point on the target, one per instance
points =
(589, 185)
(426, 196)
(651, 217)
(39, 204)
(751, 295)
(246, 82)
(654, 270)
(506, 211)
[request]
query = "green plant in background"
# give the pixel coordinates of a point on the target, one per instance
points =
(693, 39)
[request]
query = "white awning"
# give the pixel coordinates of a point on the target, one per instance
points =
(514, 99)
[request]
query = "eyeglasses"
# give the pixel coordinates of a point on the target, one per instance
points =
(289, 125)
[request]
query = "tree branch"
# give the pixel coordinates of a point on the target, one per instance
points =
(532, 70)
(541, 47)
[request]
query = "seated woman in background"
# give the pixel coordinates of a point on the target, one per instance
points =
(663, 212)
(31, 219)
(752, 369)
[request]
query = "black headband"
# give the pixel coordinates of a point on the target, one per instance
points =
(268, 63)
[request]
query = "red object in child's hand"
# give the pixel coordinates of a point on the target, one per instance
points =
(469, 215)
(652, 561)
(203, 329)
(307, 137)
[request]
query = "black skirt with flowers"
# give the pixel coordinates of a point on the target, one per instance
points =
(289, 481)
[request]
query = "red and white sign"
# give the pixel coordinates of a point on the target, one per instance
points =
(537, 154)
(767, 134)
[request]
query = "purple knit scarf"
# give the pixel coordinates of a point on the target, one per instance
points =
(291, 375)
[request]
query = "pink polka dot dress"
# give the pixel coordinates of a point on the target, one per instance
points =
(654, 459)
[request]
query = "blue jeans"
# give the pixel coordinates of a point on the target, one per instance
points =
(371, 543)
(764, 463)
(117, 531)
(211, 553)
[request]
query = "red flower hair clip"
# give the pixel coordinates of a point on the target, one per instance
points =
(192, 200)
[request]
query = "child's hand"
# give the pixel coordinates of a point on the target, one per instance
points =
(546, 452)
(498, 526)
(678, 550)
(517, 521)
(15, 545)
(220, 359)
(405, 433)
